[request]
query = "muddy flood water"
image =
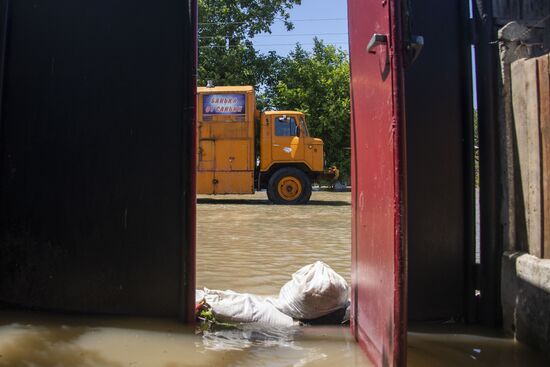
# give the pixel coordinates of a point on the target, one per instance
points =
(247, 245)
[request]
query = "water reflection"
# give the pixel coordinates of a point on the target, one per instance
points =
(247, 336)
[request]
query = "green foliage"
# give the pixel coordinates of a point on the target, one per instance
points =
(226, 27)
(207, 314)
(317, 83)
(207, 321)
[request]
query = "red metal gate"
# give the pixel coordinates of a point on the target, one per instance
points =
(379, 246)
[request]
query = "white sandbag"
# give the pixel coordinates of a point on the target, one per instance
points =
(314, 291)
(229, 306)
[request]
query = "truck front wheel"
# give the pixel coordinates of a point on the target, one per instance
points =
(289, 186)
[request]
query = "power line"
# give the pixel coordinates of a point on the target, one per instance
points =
(316, 19)
(276, 44)
(289, 35)
(279, 19)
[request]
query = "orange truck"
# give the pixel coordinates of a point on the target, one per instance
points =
(241, 150)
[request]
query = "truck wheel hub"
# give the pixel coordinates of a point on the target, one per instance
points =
(290, 188)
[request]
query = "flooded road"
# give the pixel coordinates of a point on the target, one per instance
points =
(247, 245)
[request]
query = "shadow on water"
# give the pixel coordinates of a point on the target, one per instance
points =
(86, 322)
(53, 339)
(467, 345)
(52, 346)
(266, 202)
(56, 339)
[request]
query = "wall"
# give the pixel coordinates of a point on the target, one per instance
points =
(96, 156)
(526, 274)
(525, 299)
(512, 103)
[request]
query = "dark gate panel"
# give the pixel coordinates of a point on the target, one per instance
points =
(97, 155)
(379, 203)
(439, 155)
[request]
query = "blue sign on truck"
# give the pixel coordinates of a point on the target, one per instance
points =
(223, 104)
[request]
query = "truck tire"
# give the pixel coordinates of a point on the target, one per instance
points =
(289, 186)
(269, 197)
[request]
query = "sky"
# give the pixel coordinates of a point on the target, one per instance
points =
(325, 18)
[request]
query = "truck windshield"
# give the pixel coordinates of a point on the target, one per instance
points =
(285, 126)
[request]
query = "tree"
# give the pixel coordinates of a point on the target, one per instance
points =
(226, 28)
(317, 83)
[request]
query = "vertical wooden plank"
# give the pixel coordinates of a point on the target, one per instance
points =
(534, 220)
(525, 102)
(506, 9)
(533, 10)
(520, 130)
(526, 11)
(544, 116)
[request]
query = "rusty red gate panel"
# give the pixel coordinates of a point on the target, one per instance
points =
(379, 246)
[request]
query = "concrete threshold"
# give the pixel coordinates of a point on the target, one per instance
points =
(525, 291)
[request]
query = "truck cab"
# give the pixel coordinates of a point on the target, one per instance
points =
(290, 159)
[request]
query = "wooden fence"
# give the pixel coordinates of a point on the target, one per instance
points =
(528, 12)
(531, 104)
